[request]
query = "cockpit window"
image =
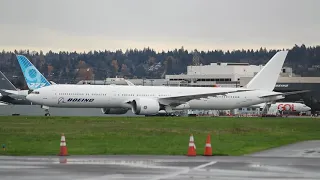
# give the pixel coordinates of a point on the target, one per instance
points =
(35, 92)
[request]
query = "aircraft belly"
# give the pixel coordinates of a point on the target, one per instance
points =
(222, 103)
(211, 104)
(88, 103)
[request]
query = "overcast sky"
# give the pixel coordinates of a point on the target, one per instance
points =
(84, 25)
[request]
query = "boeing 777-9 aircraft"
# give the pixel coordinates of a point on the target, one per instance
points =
(149, 100)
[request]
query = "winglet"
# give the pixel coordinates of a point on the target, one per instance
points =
(267, 77)
(33, 77)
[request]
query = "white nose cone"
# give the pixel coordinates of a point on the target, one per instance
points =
(29, 97)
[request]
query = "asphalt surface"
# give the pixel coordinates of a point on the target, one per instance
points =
(298, 161)
(36, 110)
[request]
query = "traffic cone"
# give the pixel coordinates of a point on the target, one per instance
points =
(63, 146)
(208, 148)
(192, 147)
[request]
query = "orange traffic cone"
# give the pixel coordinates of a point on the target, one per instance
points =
(192, 147)
(63, 146)
(208, 148)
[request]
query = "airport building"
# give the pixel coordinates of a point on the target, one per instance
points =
(231, 75)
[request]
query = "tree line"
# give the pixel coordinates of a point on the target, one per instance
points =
(70, 67)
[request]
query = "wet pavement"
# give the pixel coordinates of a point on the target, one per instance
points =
(297, 161)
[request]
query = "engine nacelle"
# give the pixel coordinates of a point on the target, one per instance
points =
(145, 106)
(114, 110)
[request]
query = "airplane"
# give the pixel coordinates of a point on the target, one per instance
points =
(149, 100)
(9, 94)
(286, 107)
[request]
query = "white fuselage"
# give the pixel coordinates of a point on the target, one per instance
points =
(287, 106)
(111, 96)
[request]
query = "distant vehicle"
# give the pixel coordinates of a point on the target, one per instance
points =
(286, 107)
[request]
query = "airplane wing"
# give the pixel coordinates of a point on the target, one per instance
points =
(285, 93)
(10, 91)
(185, 98)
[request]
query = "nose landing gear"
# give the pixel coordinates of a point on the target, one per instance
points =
(46, 110)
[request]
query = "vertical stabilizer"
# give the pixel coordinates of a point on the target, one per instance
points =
(33, 77)
(267, 77)
(5, 83)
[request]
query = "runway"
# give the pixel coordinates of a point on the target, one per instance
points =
(263, 165)
(36, 110)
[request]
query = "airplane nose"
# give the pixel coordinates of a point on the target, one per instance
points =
(30, 97)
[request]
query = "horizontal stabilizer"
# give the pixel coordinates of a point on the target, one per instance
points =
(284, 94)
(296, 92)
(3, 103)
(5, 83)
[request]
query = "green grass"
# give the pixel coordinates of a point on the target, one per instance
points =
(152, 135)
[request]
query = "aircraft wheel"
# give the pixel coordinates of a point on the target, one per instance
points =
(47, 114)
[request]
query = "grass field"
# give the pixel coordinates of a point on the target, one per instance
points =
(151, 135)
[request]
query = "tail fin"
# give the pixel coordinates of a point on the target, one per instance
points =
(5, 83)
(267, 77)
(33, 77)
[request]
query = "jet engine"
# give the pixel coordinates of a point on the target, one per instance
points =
(114, 110)
(145, 106)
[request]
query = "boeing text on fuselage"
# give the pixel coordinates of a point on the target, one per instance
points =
(82, 100)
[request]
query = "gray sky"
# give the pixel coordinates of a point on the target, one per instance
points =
(84, 25)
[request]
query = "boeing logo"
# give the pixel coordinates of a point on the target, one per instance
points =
(79, 100)
(61, 100)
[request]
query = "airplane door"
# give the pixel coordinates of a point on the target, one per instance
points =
(55, 96)
(245, 100)
(113, 96)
